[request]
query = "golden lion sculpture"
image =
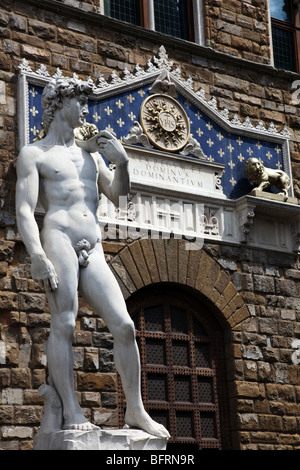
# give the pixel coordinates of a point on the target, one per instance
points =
(263, 177)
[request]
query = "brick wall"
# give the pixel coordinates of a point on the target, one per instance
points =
(265, 388)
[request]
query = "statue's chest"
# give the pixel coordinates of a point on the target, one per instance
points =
(68, 164)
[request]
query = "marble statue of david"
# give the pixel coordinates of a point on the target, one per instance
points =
(67, 256)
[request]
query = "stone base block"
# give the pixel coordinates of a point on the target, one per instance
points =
(274, 197)
(102, 439)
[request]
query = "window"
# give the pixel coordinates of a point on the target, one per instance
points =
(183, 374)
(284, 22)
(126, 10)
(172, 17)
(178, 18)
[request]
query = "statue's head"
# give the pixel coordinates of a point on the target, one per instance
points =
(57, 94)
(254, 169)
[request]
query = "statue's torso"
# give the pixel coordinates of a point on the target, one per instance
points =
(69, 192)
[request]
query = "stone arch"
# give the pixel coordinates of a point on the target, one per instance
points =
(145, 262)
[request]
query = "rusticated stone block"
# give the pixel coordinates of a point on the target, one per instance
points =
(271, 423)
(8, 301)
(249, 390)
(21, 378)
(96, 381)
(32, 302)
(28, 414)
(6, 414)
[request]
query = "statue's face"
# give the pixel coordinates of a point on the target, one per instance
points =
(75, 109)
(256, 164)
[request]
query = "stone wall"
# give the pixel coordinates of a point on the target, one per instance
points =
(265, 385)
(239, 28)
(266, 389)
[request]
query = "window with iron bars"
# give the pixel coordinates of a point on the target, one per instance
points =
(285, 23)
(177, 18)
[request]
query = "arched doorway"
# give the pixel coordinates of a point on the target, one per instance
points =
(183, 369)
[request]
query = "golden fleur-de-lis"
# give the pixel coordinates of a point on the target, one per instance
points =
(33, 92)
(277, 149)
(132, 116)
(119, 104)
(34, 130)
(269, 155)
(34, 111)
(109, 128)
(108, 110)
(130, 98)
(120, 122)
(96, 116)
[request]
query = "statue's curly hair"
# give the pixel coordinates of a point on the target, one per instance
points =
(58, 89)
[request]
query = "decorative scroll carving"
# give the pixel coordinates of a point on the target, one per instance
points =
(193, 147)
(136, 136)
(163, 84)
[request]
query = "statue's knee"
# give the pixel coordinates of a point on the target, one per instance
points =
(63, 326)
(126, 332)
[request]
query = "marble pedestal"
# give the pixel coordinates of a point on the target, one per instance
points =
(102, 439)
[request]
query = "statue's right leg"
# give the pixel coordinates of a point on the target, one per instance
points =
(63, 304)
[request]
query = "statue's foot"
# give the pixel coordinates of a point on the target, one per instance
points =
(143, 421)
(81, 427)
(79, 423)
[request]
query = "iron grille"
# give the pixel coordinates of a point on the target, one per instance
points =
(180, 355)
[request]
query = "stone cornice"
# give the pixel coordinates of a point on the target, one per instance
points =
(192, 49)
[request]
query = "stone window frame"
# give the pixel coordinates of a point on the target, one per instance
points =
(294, 27)
(197, 13)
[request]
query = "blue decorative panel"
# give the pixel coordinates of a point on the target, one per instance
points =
(117, 113)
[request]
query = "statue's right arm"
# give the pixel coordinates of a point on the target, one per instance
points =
(27, 190)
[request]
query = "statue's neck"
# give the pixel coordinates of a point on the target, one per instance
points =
(60, 133)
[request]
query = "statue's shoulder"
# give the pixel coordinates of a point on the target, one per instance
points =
(30, 156)
(33, 151)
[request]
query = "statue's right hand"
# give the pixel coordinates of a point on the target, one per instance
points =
(42, 271)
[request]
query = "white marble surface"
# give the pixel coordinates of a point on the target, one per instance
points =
(102, 439)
